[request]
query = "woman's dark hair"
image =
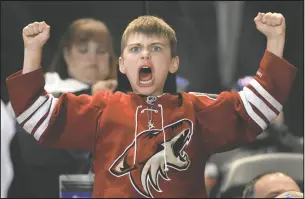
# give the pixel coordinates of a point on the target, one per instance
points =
(83, 30)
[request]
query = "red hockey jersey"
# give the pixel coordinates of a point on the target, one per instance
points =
(151, 146)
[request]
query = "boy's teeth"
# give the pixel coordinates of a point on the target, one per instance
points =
(145, 82)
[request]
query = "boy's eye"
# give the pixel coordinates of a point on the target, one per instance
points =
(135, 49)
(156, 48)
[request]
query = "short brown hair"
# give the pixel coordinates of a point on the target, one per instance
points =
(150, 25)
(83, 30)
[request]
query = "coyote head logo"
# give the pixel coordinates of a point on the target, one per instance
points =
(150, 159)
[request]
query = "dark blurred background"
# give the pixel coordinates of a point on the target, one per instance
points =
(212, 56)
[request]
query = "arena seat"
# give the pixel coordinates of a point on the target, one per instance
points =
(238, 173)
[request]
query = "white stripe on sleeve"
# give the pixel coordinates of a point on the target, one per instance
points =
(27, 113)
(266, 95)
(32, 122)
(256, 118)
(45, 123)
(259, 104)
(42, 106)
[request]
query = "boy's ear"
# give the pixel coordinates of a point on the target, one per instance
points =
(175, 65)
(121, 64)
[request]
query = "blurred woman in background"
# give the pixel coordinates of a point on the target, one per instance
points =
(85, 60)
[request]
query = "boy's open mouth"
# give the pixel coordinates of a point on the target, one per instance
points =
(145, 76)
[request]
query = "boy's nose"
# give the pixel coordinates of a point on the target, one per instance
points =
(145, 55)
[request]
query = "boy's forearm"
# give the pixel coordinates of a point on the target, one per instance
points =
(276, 46)
(32, 60)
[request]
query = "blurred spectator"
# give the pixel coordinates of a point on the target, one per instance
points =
(270, 185)
(276, 138)
(84, 60)
(291, 194)
(7, 134)
(84, 64)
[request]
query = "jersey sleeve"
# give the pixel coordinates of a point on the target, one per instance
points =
(235, 118)
(68, 122)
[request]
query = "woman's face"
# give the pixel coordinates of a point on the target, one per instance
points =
(87, 61)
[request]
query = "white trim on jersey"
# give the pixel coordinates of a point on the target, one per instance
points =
(45, 123)
(249, 99)
(259, 104)
(266, 95)
(256, 118)
(42, 106)
(203, 95)
(31, 123)
(27, 113)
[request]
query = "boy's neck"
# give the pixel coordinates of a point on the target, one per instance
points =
(157, 94)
